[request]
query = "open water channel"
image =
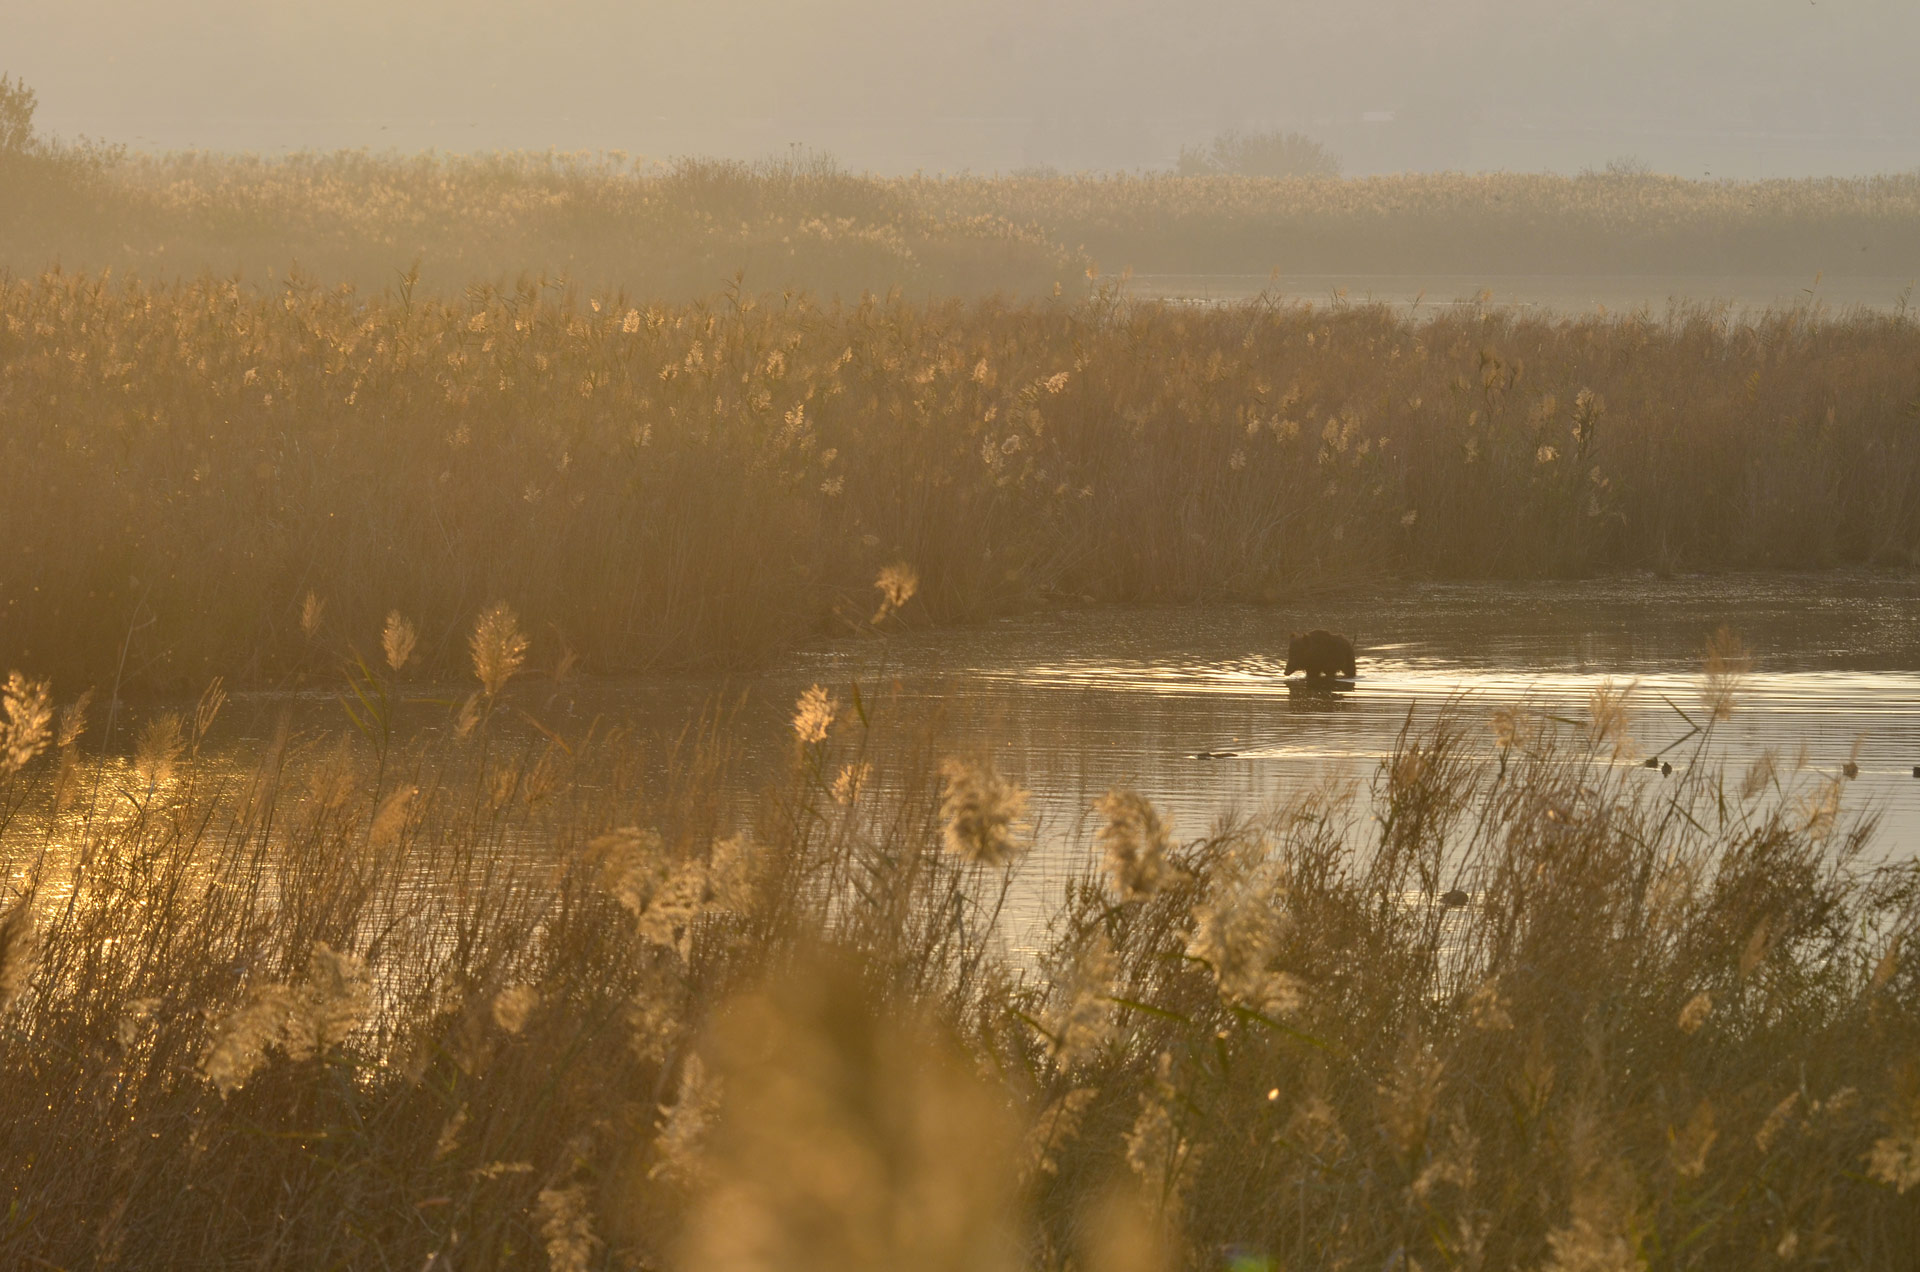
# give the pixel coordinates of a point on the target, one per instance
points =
(1074, 702)
(1742, 295)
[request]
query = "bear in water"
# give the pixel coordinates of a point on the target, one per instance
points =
(1320, 653)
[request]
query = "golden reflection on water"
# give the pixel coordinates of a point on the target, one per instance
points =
(1190, 706)
(1075, 703)
(1202, 741)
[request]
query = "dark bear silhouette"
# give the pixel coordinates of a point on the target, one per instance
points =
(1320, 653)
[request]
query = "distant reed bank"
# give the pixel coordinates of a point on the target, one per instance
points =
(679, 230)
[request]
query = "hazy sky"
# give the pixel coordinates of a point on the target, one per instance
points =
(1735, 87)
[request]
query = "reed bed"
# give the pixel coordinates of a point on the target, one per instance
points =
(207, 478)
(678, 230)
(495, 998)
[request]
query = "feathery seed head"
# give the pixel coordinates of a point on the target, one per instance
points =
(1136, 842)
(896, 585)
(157, 749)
(208, 709)
(311, 610)
(73, 720)
(1082, 1019)
(851, 780)
(330, 1004)
(240, 1041)
(1689, 1146)
(1057, 1125)
(27, 707)
(499, 647)
(390, 819)
(983, 813)
(1727, 666)
(566, 1225)
(1236, 932)
(397, 640)
(1607, 716)
(1771, 1129)
(512, 1006)
(813, 715)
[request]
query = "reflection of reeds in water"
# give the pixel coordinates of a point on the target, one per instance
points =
(904, 463)
(360, 1018)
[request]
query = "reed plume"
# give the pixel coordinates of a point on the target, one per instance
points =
(498, 646)
(983, 813)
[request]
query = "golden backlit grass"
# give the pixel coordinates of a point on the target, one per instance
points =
(205, 478)
(679, 230)
(502, 1000)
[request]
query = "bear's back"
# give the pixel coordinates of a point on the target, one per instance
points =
(1321, 653)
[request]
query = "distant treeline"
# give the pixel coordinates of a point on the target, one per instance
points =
(665, 485)
(679, 231)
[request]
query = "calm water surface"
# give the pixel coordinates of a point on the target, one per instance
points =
(1558, 293)
(1075, 702)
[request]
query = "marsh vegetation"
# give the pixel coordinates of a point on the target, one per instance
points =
(672, 485)
(495, 997)
(513, 990)
(679, 230)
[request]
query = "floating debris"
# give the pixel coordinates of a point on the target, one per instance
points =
(1454, 898)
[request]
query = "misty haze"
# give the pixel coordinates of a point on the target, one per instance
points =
(1778, 88)
(1126, 638)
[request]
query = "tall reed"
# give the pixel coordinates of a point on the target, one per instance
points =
(502, 999)
(648, 485)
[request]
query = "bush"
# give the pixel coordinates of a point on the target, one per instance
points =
(17, 104)
(1259, 154)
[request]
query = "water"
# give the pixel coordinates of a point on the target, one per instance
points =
(1075, 702)
(1553, 293)
(1080, 701)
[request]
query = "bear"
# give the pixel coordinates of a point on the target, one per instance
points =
(1320, 653)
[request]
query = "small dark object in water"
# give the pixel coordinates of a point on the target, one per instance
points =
(1215, 755)
(1851, 769)
(1320, 653)
(1666, 769)
(1916, 770)
(1653, 761)
(1454, 899)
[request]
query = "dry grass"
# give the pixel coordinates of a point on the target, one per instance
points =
(208, 479)
(678, 230)
(557, 1012)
